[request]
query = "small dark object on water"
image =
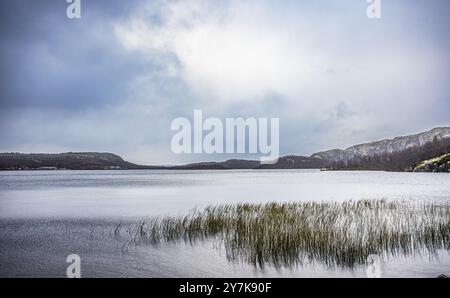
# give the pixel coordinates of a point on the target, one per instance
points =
(443, 276)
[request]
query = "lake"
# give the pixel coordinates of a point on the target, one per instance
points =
(47, 215)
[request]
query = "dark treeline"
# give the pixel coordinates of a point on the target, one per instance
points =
(71, 161)
(396, 161)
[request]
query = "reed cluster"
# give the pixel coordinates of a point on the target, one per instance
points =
(289, 234)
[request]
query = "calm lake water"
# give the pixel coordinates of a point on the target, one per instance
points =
(47, 215)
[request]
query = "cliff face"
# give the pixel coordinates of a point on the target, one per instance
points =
(385, 146)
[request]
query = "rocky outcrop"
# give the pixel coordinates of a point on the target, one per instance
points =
(436, 165)
(385, 146)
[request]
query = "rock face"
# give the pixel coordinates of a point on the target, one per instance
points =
(436, 165)
(385, 146)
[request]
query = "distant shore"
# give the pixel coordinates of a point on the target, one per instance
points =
(428, 151)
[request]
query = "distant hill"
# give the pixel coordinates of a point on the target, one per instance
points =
(201, 166)
(297, 162)
(70, 161)
(427, 154)
(285, 162)
(397, 154)
(223, 165)
(387, 146)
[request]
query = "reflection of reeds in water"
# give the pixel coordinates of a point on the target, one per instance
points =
(286, 234)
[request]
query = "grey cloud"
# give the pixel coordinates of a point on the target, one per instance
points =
(73, 85)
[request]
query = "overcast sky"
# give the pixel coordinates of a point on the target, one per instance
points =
(116, 78)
